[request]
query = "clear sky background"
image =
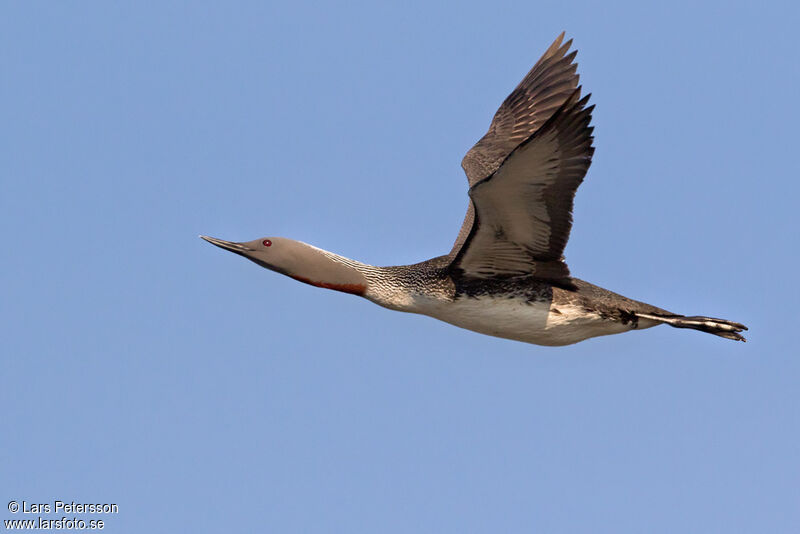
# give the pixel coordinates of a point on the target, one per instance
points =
(144, 367)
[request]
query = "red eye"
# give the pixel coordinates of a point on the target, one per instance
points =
(267, 243)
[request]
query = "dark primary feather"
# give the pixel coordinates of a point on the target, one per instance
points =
(544, 89)
(550, 82)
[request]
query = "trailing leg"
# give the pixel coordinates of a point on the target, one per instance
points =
(718, 327)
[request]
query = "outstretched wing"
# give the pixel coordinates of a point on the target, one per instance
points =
(543, 91)
(523, 211)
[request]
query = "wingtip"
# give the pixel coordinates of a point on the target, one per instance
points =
(556, 44)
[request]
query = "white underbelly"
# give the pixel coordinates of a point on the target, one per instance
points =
(537, 322)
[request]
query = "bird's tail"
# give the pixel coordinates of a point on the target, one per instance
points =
(718, 327)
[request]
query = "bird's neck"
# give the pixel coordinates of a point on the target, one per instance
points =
(391, 287)
(321, 268)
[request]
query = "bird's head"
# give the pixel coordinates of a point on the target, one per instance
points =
(300, 261)
(275, 253)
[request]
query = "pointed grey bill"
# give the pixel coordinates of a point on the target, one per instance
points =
(236, 248)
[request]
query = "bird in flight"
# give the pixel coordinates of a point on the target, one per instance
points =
(505, 275)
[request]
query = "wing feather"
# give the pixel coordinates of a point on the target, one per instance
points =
(543, 91)
(523, 211)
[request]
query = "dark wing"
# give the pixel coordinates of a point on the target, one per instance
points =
(523, 211)
(543, 91)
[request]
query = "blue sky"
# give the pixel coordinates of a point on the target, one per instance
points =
(142, 366)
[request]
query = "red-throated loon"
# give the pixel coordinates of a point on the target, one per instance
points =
(505, 275)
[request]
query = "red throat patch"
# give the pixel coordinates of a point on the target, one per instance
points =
(353, 289)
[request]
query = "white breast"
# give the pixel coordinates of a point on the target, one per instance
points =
(537, 322)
